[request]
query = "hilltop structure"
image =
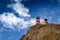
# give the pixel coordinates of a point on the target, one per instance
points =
(45, 21)
(42, 32)
(37, 20)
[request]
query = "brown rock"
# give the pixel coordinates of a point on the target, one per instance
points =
(43, 32)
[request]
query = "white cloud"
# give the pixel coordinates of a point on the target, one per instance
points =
(26, 24)
(9, 20)
(33, 21)
(20, 9)
(41, 21)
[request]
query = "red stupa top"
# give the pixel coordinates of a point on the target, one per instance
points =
(37, 20)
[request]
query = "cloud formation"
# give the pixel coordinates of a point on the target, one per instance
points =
(20, 9)
(13, 22)
(10, 20)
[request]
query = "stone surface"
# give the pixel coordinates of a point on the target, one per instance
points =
(43, 32)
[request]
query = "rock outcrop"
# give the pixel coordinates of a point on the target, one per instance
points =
(43, 32)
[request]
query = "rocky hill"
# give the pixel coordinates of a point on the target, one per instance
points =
(43, 32)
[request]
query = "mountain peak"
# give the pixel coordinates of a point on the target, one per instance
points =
(43, 32)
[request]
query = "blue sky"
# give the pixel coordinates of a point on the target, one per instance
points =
(16, 16)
